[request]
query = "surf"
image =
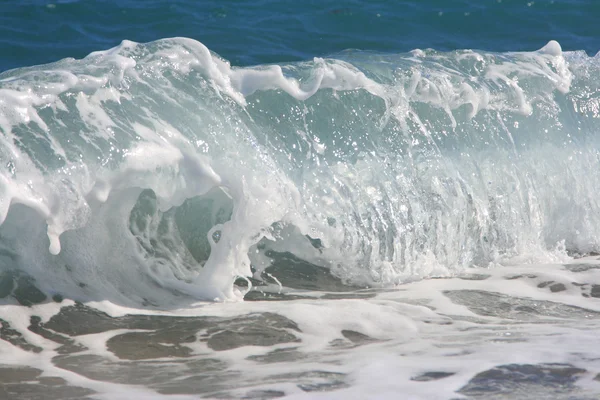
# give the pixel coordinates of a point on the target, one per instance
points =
(158, 174)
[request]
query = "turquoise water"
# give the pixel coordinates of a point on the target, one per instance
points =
(35, 31)
(255, 200)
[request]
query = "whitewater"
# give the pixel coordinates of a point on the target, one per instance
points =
(418, 225)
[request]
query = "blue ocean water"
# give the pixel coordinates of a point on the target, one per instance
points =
(304, 200)
(38, 31)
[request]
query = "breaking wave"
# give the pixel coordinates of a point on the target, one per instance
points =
(152, 173)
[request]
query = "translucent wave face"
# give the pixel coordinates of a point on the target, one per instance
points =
(160, 166)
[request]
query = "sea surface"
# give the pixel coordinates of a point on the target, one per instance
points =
(300, 200)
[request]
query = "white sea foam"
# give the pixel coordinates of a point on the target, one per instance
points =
(408, 332)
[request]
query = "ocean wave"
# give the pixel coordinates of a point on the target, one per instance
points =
(151, 173)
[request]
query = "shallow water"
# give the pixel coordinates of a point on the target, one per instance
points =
(496, 333)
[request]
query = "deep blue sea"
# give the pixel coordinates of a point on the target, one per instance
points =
(300, 200)
(257, 32)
